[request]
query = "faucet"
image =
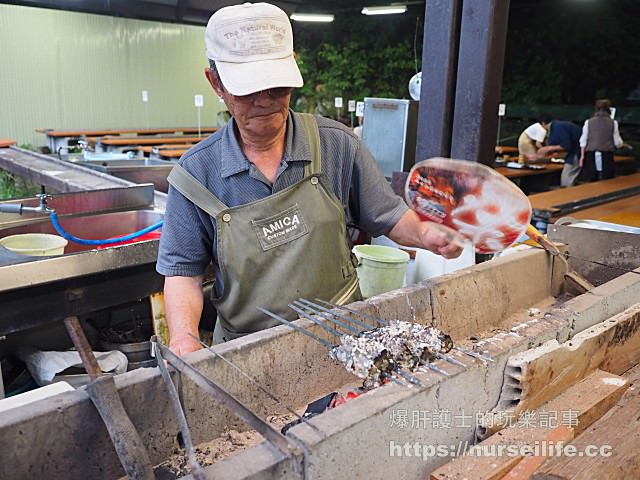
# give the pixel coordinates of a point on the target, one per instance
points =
(19, 208)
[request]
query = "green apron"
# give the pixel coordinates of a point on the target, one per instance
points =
(275, 250)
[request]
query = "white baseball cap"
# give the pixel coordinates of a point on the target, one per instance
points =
(252, 46)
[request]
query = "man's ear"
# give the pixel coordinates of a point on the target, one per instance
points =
(212, 78)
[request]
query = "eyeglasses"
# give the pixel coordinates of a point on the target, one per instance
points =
(274, 93)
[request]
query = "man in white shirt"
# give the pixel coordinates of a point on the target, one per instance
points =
(531, 140)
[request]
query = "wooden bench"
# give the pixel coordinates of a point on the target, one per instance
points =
(595, 200)
(61, 138)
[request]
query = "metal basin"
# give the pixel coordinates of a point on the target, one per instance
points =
(135, 170)
(90, 226)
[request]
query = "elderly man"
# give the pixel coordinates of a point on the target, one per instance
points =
(267, 198)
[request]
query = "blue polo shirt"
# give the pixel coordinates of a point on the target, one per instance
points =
(188, 241)
(567, 135)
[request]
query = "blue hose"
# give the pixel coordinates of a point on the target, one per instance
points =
(82, 241)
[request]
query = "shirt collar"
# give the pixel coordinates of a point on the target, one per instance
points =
(234, 161)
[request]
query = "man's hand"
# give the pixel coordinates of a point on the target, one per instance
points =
(442, 240)
(183, 345)
(410, 231)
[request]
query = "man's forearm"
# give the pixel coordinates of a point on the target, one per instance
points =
(183, 307)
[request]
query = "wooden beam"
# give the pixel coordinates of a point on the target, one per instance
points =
(538, 375)
(559, 420)
(613, 443)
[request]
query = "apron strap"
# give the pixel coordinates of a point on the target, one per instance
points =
(310, 127)
(194, 191)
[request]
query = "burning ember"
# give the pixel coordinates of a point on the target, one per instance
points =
(375, 354)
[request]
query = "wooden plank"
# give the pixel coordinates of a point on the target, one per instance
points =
(614, 443)
(559, 420)
(587, 400)
(525, 468)
(625, 211)
(6, 142)
(494, 457)
(122, 131)
(538, 375)
(548, 200)
(120, 141)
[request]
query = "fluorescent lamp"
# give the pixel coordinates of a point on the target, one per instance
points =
(312, 17)
(385, 10)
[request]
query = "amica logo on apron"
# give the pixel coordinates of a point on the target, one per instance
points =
(280, 228)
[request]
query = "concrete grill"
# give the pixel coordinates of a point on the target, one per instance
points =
(356, 438)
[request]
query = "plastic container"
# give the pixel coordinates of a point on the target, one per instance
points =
(36, 244)
(380, 268)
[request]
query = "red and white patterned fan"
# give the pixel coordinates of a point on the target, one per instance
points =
(473, 199)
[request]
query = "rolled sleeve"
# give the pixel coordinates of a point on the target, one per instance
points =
(185, 242)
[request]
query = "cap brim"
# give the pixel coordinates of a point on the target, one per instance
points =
(251, 77)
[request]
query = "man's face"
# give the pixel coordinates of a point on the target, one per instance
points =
(260, 114)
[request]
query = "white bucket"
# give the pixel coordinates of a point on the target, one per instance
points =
(36, 244)
(380, 268)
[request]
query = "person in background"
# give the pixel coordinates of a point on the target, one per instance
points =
(563, 135)
(531, 140)
(600, 137)
(357, 130)
(267, 198)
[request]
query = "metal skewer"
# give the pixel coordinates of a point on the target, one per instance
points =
(473, 354)
(196, 469)
(392, 378)
(383, 322)
(407, 376)
(282, 443)
(257, 384)
(363, 315)
(431, 366)
(344, 317)
(296, 327)
(328, 317)
(451, 360)
(316, 321)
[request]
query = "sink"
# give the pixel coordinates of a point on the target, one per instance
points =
(144, 170)
(91, 156)
(90, 226)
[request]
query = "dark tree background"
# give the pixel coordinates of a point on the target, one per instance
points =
(559, 52)
(572, 51)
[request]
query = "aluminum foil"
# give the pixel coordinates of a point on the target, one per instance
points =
(375, 354)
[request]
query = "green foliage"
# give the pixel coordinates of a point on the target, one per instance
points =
(375, 59)
(13, 186)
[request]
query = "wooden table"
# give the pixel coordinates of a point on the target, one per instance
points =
(60, 138)
(595, 200)
(165, 151)
(110, 144)
(6, 142)
(533, 180)
(502, 149)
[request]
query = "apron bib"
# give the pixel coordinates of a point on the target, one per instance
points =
(285, 246)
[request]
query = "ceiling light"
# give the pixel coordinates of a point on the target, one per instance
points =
(312, 17)
(385, 10)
